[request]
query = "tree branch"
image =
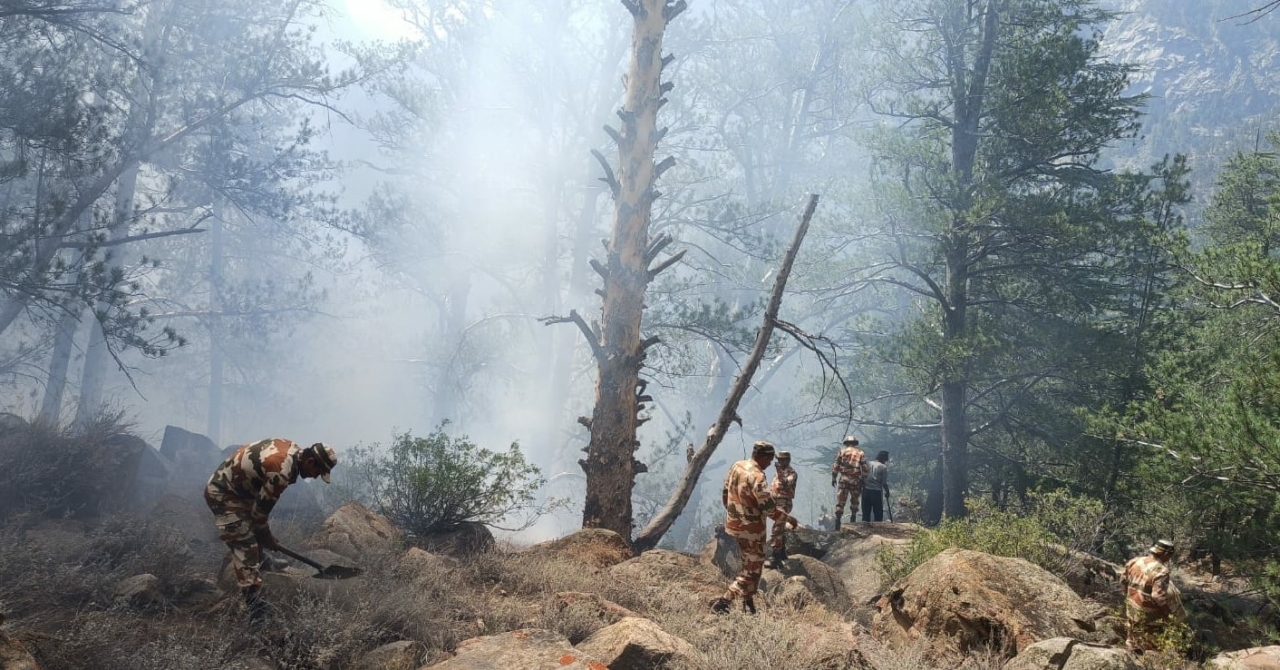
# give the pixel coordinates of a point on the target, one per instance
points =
(575, 318)
(653, 532)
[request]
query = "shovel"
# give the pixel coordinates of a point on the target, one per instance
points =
(322, 571)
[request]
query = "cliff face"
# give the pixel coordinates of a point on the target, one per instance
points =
(1214, 80)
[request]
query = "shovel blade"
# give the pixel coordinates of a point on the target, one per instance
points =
(338, 572)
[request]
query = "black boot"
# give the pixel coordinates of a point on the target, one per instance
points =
(749, 605)
(780, 555)
(256, 604)
(720, 606)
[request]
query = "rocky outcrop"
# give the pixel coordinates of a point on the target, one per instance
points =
(854, 558)
(1255, 658)
(963, 600)
(663, 574)
(815, 577)
(140, 592)
(636, 644)
(356, 533)
(597, 548)
(527, 649)
(467, 539)
(402, 655)
(721, 552)
(1061, 653)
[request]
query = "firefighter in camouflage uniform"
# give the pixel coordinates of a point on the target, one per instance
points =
(243, 491)
(848, 474)
(747, 502)
(1151, 598)
(783, 491)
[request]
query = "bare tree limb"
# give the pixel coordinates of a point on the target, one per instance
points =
(575, 318)
(608, 177)
(667, 263)
(653, 532)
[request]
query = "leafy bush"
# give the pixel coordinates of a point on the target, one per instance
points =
(433, 484)
(1046, 533)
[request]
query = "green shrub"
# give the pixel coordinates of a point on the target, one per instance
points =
(1053, 525)
(433, 484)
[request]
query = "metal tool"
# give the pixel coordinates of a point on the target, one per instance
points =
(322, 571)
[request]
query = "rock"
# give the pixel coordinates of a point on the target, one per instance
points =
(721, 552)
(418, 565)
(357, 534)
(591, 603)
(1061, 653)
(467, 539)
(815, 576)
(664, 574)
(192, 457)
(635, 643)
(811, 542)
(1254, 658)
(14, 655)
(526, 649)
(598, 548)
(854, 560)
(140, 591)
(962, 600)
(402, 655)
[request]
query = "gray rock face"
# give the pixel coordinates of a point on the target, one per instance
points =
(1062, 653)
(635, 644)
(813, 575)
(355, 532)
(527, 649)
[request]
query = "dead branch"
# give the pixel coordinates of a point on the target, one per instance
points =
(577, 319)
(649, 537)
(608, 177)
(666, 264)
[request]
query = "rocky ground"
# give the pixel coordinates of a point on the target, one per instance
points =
(141, 593)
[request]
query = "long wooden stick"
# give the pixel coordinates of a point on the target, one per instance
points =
(649, 537)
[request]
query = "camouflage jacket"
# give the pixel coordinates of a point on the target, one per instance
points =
(254, 477)
(784, 483)
(1147, 586)
(747, 500)
(851, 464)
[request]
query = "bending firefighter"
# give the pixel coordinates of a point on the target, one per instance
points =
(243, 491)
(1151, 600)
(747, 502)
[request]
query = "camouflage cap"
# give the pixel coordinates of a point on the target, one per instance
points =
(1162, 547)
(784, 455)
(326, 457)
(849, 439)
(762, 448)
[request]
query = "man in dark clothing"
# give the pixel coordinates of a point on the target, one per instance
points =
(876, 488)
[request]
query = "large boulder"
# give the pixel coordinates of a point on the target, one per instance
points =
(1061, 653)
(721, 552)
(814, 576)
(854, 558)
(192, 457)
(355, 532)
(1254, 658)
(811, 542)
(597, 548)
(527, 649)
(963, 600)
(636, 644)
(665, 575)
(466, 539)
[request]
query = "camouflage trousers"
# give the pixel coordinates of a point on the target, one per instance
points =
(778, 540)
(235, 528)
(751, 544)
(848, 490)
(1143, 626)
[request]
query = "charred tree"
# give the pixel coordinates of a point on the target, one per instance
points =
(616, 342)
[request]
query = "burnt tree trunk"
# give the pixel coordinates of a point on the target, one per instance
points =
(619, 350)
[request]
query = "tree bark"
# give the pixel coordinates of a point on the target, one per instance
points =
(610, 465)
(59, 362)
(652, 534)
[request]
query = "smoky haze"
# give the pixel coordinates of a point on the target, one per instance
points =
(390, 235)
